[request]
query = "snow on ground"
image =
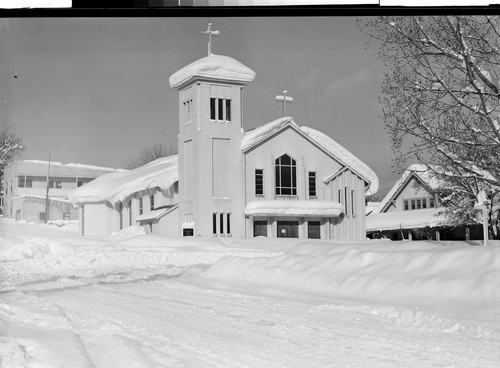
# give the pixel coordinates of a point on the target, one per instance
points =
(139, 300)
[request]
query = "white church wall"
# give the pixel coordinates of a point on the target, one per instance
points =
(308, 158)
(168, 225)
(348, 189)
(99, 219)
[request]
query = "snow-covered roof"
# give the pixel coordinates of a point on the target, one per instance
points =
(294, 208)
(410, 220)
(370, 206)
(73, 165)
(41, 197)
(115, 187)
(345, 157)
(421, 171)
(213, 67)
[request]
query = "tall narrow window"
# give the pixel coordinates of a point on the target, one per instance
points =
(413, 204)
(120, 214)
(406, 205)
(214, 223)
(212, 108)
(228, 223)
(151, 202)
(286, 175)
(221, 108)
(352, 203)
(228, 110)
(312, 184)
(141, 207)
(346, 201)
(130, 213)
(21, 181)
(221, 223)
(188, 110)
(259, 182)
(431, 202)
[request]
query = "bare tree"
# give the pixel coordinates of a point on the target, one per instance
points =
(441, 98)
(10, 146)
(150, 153)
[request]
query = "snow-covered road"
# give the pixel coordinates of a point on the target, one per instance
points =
(157, 321)
(147, 301)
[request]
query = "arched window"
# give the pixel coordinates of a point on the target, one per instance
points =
(286, 175)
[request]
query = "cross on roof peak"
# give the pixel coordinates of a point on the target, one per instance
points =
(285, 99)
(210, 33)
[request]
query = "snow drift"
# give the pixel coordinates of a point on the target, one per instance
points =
(422, 273)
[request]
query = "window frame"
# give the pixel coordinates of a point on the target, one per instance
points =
(280, 173)
(312, 184)
(259, 187)
(151, 202)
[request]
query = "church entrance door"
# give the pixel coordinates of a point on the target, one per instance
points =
(288, 229)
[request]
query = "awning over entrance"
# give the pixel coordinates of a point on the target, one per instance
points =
(294, 208)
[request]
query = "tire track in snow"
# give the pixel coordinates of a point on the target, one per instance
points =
(170, 323)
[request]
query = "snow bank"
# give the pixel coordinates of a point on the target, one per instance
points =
(11, 249)
(430, 217)
(213, 67)
(128, 232)
(294, 208)
(116, 187)
(417, 274)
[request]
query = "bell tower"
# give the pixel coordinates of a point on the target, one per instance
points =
(211, 167)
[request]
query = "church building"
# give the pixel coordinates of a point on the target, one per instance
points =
(277, 180)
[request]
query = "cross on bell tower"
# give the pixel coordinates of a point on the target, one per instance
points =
(285, 99)
(210, 33)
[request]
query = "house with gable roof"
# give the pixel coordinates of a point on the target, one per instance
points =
(277, 180)
(412, 210)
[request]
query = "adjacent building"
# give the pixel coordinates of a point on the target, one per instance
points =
(412, 211)
(25, 189)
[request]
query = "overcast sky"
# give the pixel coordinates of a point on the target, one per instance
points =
(95, 90)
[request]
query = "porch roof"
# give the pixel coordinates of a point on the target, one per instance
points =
(431, 217)
(294, 208)
(155, 214)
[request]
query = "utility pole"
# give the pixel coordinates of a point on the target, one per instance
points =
(482, 205)
(47, 205)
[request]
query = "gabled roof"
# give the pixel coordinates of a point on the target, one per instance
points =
(420, 173)
(255, 137)
(115, 187)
